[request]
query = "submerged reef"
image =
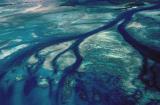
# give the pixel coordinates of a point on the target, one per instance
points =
(89, 55)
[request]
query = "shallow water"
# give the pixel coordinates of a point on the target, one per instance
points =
(46, 59)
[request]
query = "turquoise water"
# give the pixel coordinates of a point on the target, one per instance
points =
(79, 55)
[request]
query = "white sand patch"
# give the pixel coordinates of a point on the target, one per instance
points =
(135, 25)
(5, 53)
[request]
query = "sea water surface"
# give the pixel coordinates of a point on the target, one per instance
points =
(43, 61)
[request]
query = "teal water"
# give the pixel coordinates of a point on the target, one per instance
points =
(79, 55)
